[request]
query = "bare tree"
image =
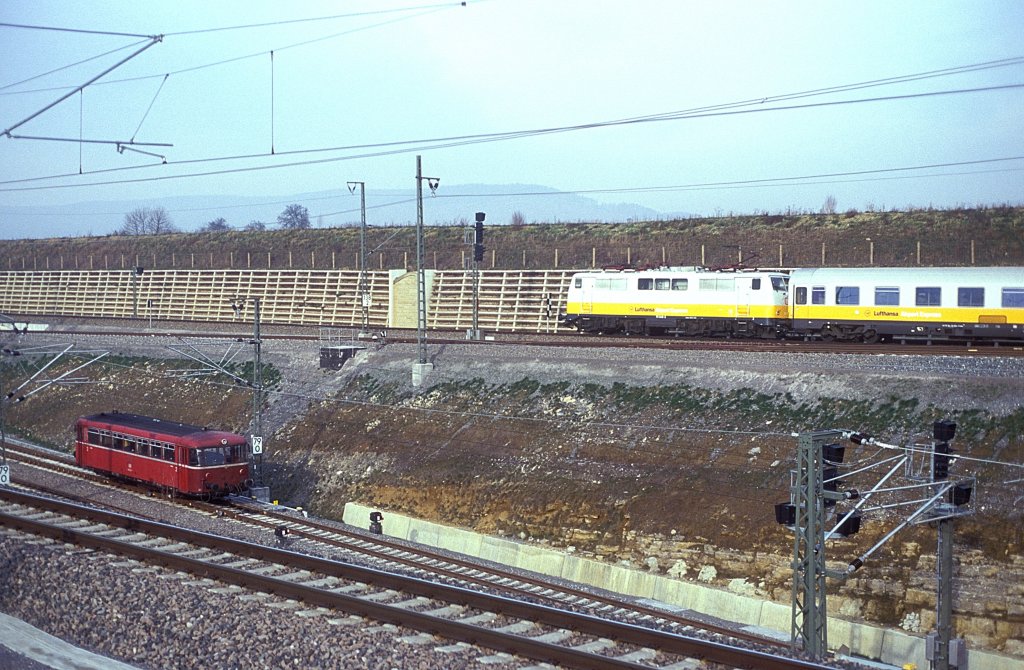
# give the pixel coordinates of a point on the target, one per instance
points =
(147, 221)
(258, 226)
(294, 216)
(517, 218)
(829, 207)
(218, 225)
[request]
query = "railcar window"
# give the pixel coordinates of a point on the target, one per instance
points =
(970, 297)
(801, 295)
(168, 452)
(680, 284)
(210, 456)
(610, 284)
(817, 295)
(1013, 297)
(847, 295)
(928, 296)
(887, 295)
(106, 439)
(645, 283)
(662, 284)
(717, 284)
(780, 284)
(94, 437)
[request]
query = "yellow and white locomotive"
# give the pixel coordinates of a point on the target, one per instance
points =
(679, 301)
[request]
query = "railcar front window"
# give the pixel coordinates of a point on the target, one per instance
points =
(887, 295)
(847, 295)
(928, 296)
(210, 456)
(1013, 297)
(970, 297)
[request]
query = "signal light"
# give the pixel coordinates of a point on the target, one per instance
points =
(960, 494)
(940, 461)
(785, 514)
(849, 526)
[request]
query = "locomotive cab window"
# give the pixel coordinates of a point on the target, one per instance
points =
(847, 295)
(970, 297)
(578, 282)
(680, 284)
(928, 296)
(779, 284)
(887, 295)
(755, 284)
(1013, 297)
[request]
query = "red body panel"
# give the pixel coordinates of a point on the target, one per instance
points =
(169, 455)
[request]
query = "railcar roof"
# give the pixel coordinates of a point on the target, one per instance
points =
(147, 423)
(1006, 276)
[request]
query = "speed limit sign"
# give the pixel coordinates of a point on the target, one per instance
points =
(257, 444)
(5, 474)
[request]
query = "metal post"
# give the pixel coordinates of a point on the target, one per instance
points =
(421, 287)
(257, 396)
(135, 293)
(809, 616)
(364, 294)
(944, 604)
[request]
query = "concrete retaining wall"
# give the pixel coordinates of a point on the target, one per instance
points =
(881, 644)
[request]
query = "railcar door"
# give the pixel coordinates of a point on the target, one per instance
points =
(745, 286)
(587, 296)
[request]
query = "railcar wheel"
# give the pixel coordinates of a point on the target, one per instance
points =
(871, 337)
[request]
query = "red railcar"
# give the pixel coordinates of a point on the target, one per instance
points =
(169, 455)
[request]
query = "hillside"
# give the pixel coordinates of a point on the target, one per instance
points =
(666, 461)
(988, 236)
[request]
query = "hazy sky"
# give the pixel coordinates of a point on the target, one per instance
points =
(357, 93)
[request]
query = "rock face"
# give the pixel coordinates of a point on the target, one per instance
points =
(670, 461)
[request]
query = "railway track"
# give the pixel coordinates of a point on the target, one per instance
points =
(576, 340)
(529, 631)
(418, 561)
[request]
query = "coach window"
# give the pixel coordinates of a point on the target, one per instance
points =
(143, 447)
(928, 296)
(168, 452)
(106, 440)
(93, 437)
(680, 284)
(817, 295)
(970, 297)
(645, 283)
(887, 295)
(801, 295)
(662, 284)
(1013, 297)
(847, 295)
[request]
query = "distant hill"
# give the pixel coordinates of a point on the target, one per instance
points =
(326, 209)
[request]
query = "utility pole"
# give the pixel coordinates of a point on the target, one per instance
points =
(478, 255)
(809, 614)
(136, 273)
(257, 402)
(364, 295)
(422, 368)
